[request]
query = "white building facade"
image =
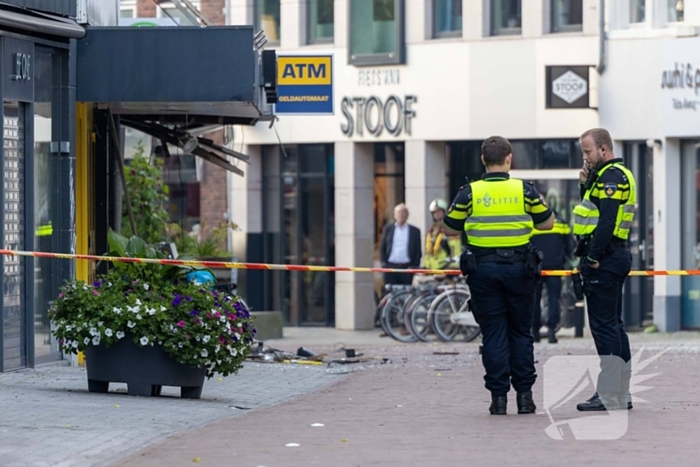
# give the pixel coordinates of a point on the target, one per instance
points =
(418, 85)
(650, 101)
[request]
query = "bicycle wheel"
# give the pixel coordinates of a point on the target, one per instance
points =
(419, 317)
(452, 318)
(408, 311)
(393, 317)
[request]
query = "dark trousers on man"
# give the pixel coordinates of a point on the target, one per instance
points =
(502, 297)
(554, 286)
(398, 278)
(603, 287)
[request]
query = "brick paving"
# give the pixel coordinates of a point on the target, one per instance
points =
(419, 409)
(47, 417)
(426, 409)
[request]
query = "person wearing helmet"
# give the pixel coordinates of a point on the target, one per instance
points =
(438, 246)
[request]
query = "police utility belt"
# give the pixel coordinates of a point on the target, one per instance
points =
(470, 259)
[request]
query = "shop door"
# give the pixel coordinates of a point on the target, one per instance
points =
(690, 238)
(638, 298)
(14, 316)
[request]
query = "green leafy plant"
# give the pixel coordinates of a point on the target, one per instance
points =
(154, 304)
(148, 193)
(210, 246)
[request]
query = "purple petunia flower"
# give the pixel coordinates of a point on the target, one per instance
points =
(96, 284)
(194, 313)
(177, 300)
(60, 295)
(188, 298)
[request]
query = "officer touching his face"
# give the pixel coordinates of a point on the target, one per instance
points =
(602, 224)
(498, 214)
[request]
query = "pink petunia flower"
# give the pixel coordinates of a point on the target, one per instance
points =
(181, 324)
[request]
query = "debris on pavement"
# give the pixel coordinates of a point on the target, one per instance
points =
(317, 424)
(445, 353)
(292, 445)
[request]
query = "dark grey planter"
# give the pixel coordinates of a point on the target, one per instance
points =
(145, 370)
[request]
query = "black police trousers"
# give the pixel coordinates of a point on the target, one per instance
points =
(502, 296)
(603, 289)
(554, 287)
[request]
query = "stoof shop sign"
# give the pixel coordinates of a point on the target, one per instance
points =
(569, 87)
(683, 76)
(21, 64)
(376, 115)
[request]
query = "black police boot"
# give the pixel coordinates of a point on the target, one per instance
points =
(525, 403)
(551, 336)
(599, 403)
(536, 335)
(625, 398)
(498, 405)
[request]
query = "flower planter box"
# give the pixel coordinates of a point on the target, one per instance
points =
(145, 370)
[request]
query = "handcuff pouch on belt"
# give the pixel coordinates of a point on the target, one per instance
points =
(533, 262)
(467, 262)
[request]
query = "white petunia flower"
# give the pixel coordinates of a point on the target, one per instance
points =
(96, 340)
(233, 351)
(120, 335)
(151, 311)
(93, 332)
(86, 341)
(100, 323)
(198, 339)
(85, 287)
(75, 344)
(162, 308)
(117, 310)
(131, 324)
(109, 284)
(238, 336)
(217, 348)
(180, 345)
(69, 327)
(144, 340)
(138, 302)
(108, 332)
(138, 317)
(146, 286)
(206, 339)
(204, 353)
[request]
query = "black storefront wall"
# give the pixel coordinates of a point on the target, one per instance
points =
(17, 211)
(58, 7)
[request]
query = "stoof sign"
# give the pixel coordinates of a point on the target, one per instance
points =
(304, 84)
(567, 87)
(372, 114)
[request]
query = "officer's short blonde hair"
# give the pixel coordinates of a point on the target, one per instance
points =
(600, 136)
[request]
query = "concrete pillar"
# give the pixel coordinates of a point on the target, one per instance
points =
(245, 210)
(667, 238)
(354, 234)
(425, 181)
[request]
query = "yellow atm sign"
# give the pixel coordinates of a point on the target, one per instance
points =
(304, 84)
(312, 70)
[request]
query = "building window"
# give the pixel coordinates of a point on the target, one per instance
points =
(676, 11)
(506, 17)
(126, 13)
(567, 15)
(637, 11)
(267, 18)
(376, 32)
(168, 10)
(321, 23)
(447, 18)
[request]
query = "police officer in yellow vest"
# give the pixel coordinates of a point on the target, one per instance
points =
(498, 214)
(602, 225)
(438, 246)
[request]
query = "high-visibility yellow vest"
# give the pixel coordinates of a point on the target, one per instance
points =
(498, 218)
(559, 228)
(44, 230)
(435, 254)
(586, 214)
